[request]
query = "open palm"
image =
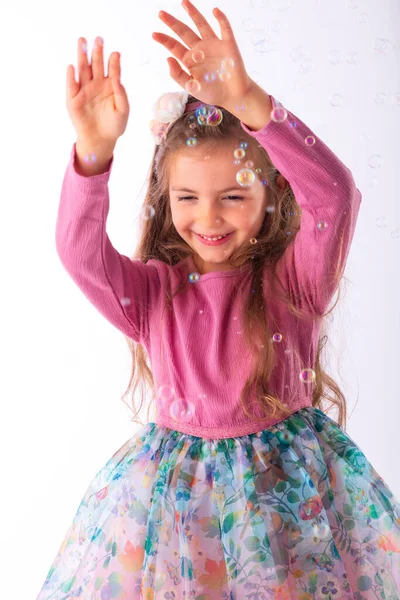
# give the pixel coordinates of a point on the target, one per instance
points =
(97, 105)
(216, 64)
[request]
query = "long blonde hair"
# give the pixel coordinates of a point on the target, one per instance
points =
(159, 240)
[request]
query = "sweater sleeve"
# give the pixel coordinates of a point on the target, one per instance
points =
(120, 288)
(324, 188)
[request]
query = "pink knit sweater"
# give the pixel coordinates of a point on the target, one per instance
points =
(197, 353)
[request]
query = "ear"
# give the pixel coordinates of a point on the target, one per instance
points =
(281, 182)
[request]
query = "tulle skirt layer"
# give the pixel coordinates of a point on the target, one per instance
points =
(295, 511)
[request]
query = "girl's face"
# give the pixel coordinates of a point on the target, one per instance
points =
(206, 199)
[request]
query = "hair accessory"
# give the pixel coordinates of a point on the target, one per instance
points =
(167, 110)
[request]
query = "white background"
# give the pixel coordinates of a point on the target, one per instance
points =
(64, 367)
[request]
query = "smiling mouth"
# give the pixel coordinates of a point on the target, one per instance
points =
(213, 236)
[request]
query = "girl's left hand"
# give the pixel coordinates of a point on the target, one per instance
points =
(227, 85)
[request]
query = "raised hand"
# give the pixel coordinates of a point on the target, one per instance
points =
(208, 59)
(97, 104)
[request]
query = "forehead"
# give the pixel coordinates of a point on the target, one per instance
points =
(198, 163)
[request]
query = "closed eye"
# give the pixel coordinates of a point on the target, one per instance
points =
(190, 197)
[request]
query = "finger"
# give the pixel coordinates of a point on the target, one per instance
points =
(84, 69)
(114, 65)
(225, 26)
(72, 85)
(202, 24)
(177, 73)
(172, 45)
(185, 33)
(97, 59)
(120, 96)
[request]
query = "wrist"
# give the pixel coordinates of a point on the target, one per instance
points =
(253, 108)
(93, 157)
(95, 143)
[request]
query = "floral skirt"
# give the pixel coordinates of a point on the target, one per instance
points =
(295, 511)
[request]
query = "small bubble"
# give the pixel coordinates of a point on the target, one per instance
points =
(322, 225)
(227, 63)
(245, 177)
(181, 410)
(265, 46)
(380, 98)
(322, 530)
(210, 77)
(198, 56)
(307, 376)
(239, 153)
(306, 65)
(166, 392)
(352, 58)
(209, 115)
(365, 137)
(194, 277)
(336, 99)
(148, 212)
(382, 222)
(381, 46)
(363, 18)
(193, 86)
(279, 114)
(224, 75)
(240, 107)
(89, 158)
(375, 161)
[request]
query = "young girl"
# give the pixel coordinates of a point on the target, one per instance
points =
(242, 486)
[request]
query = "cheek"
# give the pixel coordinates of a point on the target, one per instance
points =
(246, 215)
(179, 220)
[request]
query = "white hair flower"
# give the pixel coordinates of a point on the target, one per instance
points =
(167, 109)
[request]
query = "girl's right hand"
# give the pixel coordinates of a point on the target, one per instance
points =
(97, 105)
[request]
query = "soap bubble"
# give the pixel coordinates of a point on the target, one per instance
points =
(307, 376)
(193, 87)
(279, 114)
(239, 153)
(322, 225)
(148, 212)
(180, 410)
(194, 277)
(245, 177)
(198, 55)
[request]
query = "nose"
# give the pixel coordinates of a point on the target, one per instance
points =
(209, 219)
